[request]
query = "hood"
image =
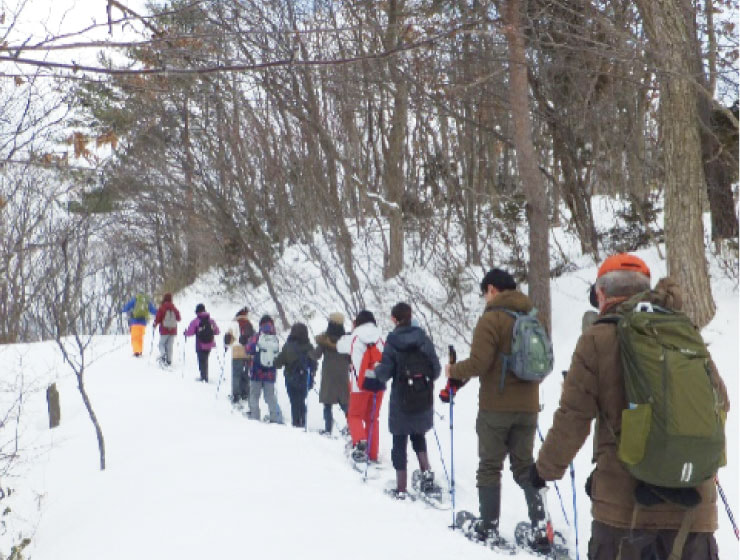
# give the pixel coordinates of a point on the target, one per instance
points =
(667, 293)
(404, 338)
(204, 315)
(367, 333)
(325, 340)
(511, 299)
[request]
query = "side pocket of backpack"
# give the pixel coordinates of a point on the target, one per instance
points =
(634, 435)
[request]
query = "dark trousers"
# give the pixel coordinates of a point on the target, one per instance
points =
(612, 543)
(398, 452)
(203, 363)
(297, 405)
(329, 417)
(501, 434)
(239, 378)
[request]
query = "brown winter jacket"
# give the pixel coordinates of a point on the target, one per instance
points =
(594, 389)
(491, 339)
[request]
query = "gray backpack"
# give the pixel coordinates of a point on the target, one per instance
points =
(169, 321)
(531, 357)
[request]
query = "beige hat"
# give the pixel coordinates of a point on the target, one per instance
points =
(337, 318)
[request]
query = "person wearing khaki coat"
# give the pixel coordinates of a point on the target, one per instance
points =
(507, 413)
(594, 389)
(236, 337)
(334, 387)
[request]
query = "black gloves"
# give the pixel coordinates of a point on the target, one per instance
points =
(534, 477)
(371, 383)
(228, 339)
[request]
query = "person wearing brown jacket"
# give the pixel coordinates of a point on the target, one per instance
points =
(507, 412)
(594, 389)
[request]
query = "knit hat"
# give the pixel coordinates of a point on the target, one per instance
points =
(499, 279)
(623, 261)
(200, 308)
(241, 312)
(336, 317)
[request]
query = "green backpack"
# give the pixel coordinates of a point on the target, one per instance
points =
(673, 429)
(141, 307)
(531, 357)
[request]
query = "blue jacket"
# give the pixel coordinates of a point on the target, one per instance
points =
(133, 320)
(406, 339)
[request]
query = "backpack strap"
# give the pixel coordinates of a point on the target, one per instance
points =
(505, 357)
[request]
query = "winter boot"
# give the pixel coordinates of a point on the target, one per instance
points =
(423, 461)
(489, 498)
(539, 541)
(401, 484)
(359, 453)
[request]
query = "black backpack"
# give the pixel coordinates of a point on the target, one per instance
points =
(301, 376)
(205, 331)
(414, 381)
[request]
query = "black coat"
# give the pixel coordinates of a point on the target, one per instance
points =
(290, 359)
(406, 339)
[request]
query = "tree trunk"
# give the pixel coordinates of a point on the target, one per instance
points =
(538, 274)
(668, 35)
(393, 169)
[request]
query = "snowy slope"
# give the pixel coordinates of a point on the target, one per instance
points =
(189, 478)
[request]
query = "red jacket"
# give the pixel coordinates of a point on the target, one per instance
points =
(159, 317)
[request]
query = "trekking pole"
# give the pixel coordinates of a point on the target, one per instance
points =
(151, 346)
(223, 369)
(370, 435)
(575, 508)
(727, 507)
(305, 402)
(182, 368)
(441, 455)
(562, 505)
(453, 359)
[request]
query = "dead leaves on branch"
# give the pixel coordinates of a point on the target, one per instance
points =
(80, 141)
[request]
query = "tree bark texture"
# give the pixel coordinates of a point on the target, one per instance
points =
(668, 36)
(538, 274)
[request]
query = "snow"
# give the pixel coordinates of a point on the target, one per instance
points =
(187, 477)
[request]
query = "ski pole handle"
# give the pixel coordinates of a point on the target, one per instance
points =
(453, 355)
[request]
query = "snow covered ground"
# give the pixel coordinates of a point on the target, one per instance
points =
(189, 478)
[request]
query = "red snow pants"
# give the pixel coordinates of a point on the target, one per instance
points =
(360, 417)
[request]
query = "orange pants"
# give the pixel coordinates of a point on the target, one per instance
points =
(137, 338)
(360, 417)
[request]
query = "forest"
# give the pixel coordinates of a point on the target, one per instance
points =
(159, 142)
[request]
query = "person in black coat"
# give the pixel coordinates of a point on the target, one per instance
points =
(300, 369)
(410, 360)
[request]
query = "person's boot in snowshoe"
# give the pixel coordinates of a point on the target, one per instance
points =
(489, 499)
(359, 453)
(400, 492)
(538, 540)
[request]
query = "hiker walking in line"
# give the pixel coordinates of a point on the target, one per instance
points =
(411, 362)
(364, 346)
(334, 388)
(300, 369)
(138, 308)
(263, 348)
(508, 407)
(204, 329)
(167, 318)
(634, 518)
(237, 338)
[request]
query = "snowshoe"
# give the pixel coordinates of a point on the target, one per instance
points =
(430, 492)
(540, 543)
(470, 525)
(398, 494)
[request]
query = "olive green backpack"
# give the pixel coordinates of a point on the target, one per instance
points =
(672, 432)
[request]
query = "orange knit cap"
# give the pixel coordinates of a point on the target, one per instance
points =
(623, 261)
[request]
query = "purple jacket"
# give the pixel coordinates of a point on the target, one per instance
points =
(193, 328)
